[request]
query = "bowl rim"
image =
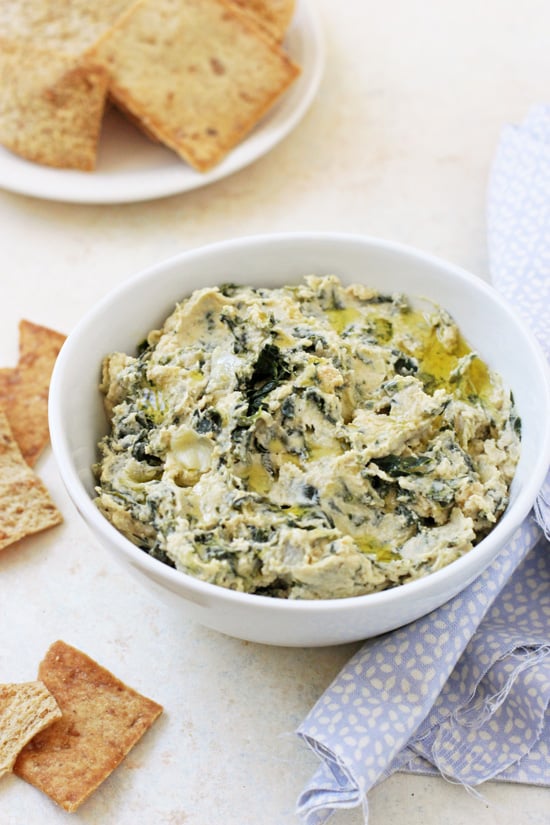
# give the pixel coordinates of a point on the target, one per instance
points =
(177, 579)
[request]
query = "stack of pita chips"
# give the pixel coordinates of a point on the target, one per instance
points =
(196, 75)
(52, 98)
(26, 504)
(67, 732)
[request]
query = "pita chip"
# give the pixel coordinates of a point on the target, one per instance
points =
(198, 74)
(24, 389)
(26, 504)
(51, 105)
(25, 710)
(102, 720)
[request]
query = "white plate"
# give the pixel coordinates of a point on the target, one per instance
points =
(132, 168)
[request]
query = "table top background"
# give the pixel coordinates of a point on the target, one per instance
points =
(398, 144)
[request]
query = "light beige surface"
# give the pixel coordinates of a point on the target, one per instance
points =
(398, 144)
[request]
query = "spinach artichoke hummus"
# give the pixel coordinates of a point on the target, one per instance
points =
(313, 441)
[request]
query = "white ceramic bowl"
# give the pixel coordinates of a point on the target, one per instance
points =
(122, 319)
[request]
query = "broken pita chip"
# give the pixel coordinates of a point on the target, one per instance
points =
(26, 504)
(24, 390)
(215, 74)
(25, 710)
(102, 720)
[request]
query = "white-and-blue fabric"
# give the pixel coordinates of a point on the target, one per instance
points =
(519, 220)
(465, 691)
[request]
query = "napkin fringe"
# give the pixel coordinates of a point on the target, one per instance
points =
(477, 715)
(456, 780)
(451, 752)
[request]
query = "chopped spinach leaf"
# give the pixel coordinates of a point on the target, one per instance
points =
(515, 421)
(207, 421)
(140, 451)
(442, 492)
(288, 407)
(158, 553)
(259, 534)
(143, 346)
(404, 364)
(270, 370)
(229, 289)
(395, 465)
(311, 493)
(319, 401)
(378, 299)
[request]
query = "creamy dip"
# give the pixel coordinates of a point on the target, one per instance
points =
(312, 441)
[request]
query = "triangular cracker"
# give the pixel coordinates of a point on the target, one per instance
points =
(24, 390)
(102, 720)
(51, 105)
(26, 504)
(199, 74)
(25, 710)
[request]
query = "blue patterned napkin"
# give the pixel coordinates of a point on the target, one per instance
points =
(465, 691)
